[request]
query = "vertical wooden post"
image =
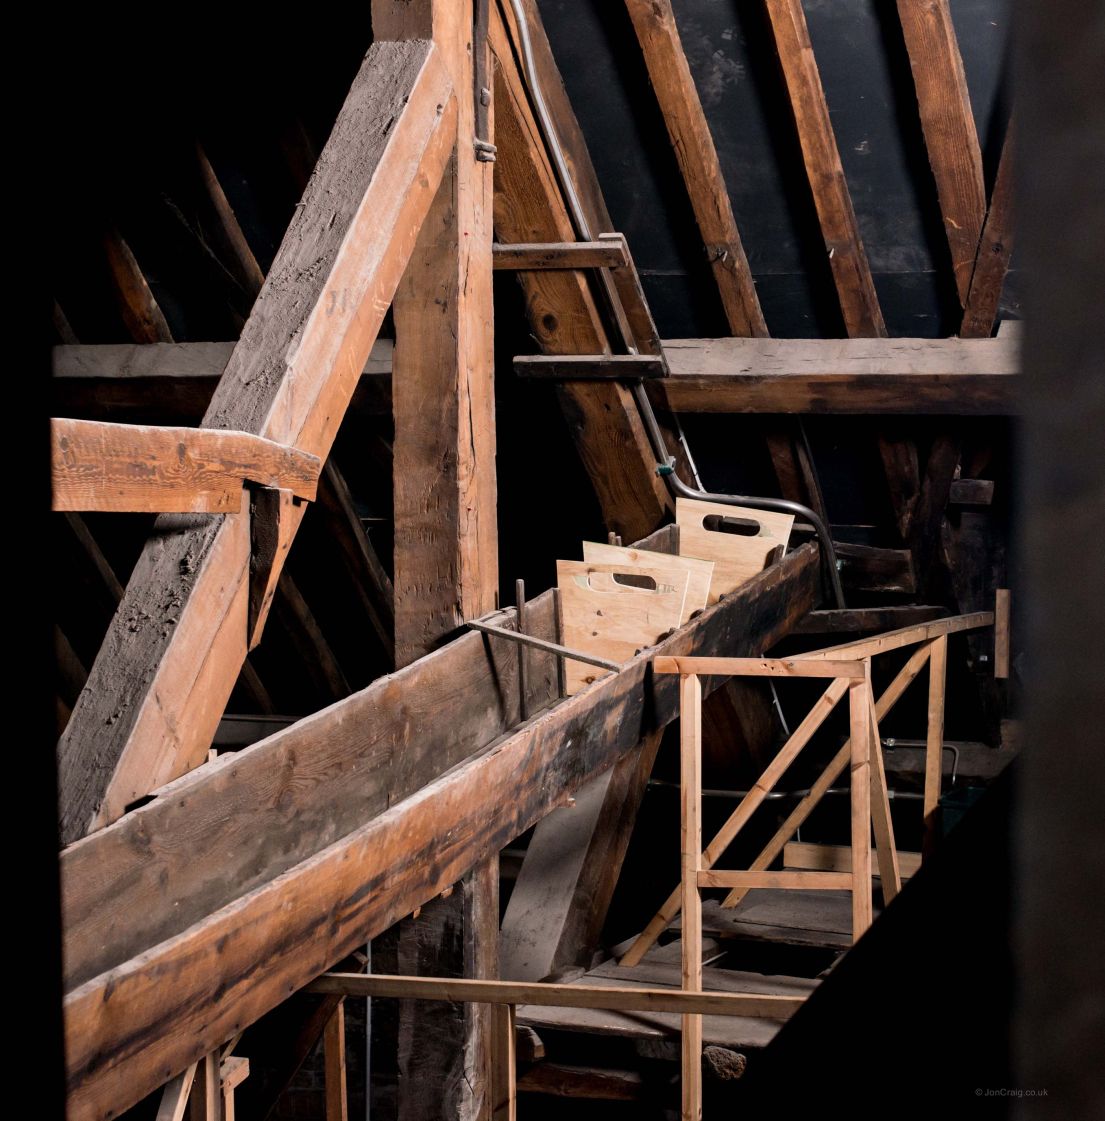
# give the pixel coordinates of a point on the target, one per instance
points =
(859, 709)
(885, 848)
(934, 741)
(333, 1043)
(503, 1064)
(205, 1102)
(690, 747)
(174, 1097)
(1002, 612)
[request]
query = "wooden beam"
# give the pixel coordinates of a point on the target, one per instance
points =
(949, 128)
(552, 995)
(171, 382)
(563, 315)
(137, 305)
(673, 84)
(588, 367)
(846, 256)
(904, 636)
(760, 667)
(1003, 599)
(156, 694)
(896, 376)
(560, 255)
(137, 468)
(855, 620)
(690, 867)
(995, 247)
(155, 1012)
(837, 858)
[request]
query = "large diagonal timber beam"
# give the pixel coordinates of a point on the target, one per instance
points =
(152, 1013)
(176, 644)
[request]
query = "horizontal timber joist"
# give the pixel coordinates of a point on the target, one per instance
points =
(138, 468)
(141, 1021)
(175, 381)
(733, 375)
(178, 640)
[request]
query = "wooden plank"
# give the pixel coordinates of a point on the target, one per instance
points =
(609, 254)
(700, 572)
(841, 376)
(791, 917)
(156, 1011)
(141, 469)
(737, 1032)
(174, 1098)
(904, 636)
(855, 620)
(563, 316)
(1003, 599)
(949, 128)
(670, 74)
(601, 613)
(588, 367)
(995, 248)
(557, 909)
(690, 852)
(823, 881)
(869, 568)
(553, 995)
(333, 1043)
(934, 741)
(566, 1080)
(741, 815)
(971, 492)
(205, 1103)
(156, 694)
(859, 304)
(883, 823)
(504, 1104)
(737, 556)
(759, 667)
(859, 728)
(837, 858)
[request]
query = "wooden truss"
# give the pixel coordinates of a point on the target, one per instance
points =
(298, 849)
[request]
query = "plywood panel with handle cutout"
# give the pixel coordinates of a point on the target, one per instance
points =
(738, 540)
(701, 571)
(606, 609)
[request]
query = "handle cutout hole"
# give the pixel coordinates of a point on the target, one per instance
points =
(739, 527)
(635, 580)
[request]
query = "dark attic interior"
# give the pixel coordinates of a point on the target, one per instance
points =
(576, 563)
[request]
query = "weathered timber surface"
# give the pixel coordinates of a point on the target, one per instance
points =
(177, 642)
(165, 382)
(131, 1028)
(923, 376)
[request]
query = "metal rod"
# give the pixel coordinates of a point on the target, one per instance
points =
(544, 644)
(520, 604)
(783, 505)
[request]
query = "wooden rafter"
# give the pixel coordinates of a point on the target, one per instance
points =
(165, 686)
(949, 128)
(654, 22)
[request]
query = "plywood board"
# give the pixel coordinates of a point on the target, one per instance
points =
(603, 613)
(737, 558)
(701, 571)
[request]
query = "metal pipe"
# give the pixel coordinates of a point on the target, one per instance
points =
(783, 505)
(644, 406)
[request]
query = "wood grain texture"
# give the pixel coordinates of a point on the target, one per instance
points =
(560, 255)
(690, 865)
(700, 572)
(995, 248)
(143, 317)
(563, 315)
(948, 124)
(130, 1028)
(602, 614)
(736, 557)
(673, 84)
(847, 258)
(177, 642)
(141, 469)
(895, 376)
